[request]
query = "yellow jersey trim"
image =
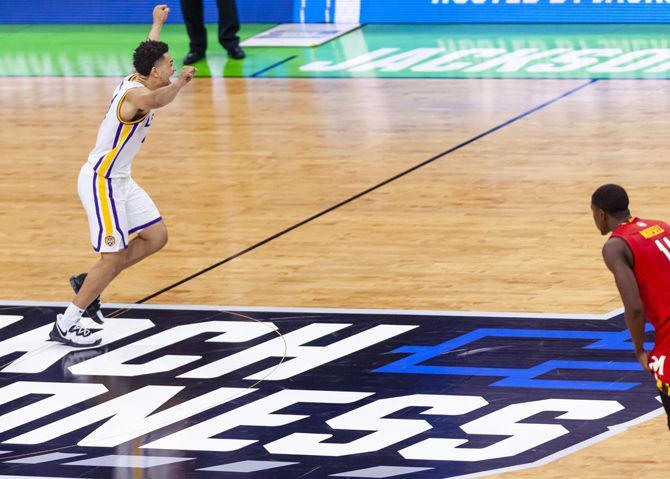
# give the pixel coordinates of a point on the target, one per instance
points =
(103, 169)
(118, 111)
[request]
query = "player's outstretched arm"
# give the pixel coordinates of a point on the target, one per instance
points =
(618, 259)
(142, 99)
(160, 15)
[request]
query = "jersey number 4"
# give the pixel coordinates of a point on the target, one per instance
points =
(664, 247)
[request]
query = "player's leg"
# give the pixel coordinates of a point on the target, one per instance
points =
(194, 20)
(229, 25)
(93, 310)
(100, 275)
(66, 328)
(104, 203)
(665, 399)
(148, 241)
(145, 220)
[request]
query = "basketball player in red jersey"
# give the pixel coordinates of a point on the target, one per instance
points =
(638, 255)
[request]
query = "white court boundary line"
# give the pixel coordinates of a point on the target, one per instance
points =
(271, 309)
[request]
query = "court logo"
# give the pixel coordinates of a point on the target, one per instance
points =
(315, 393)
(502, 58)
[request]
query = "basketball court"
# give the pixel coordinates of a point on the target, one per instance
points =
(382, 261)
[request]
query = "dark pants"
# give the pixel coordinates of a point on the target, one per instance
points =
(666, 404)
(229, 24)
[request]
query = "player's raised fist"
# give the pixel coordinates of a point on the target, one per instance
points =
(187, 74)
(161, 13)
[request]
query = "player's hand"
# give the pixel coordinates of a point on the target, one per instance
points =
(161, 14)
(186, 74)
(643, 359)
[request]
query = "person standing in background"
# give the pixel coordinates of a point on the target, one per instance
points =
(229, 25)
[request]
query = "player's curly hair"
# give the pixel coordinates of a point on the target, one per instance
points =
(147, 54)
(612, 199)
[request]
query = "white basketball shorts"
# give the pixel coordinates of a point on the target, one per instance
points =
(116, 208)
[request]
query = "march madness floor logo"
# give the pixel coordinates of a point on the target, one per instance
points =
(203, 392)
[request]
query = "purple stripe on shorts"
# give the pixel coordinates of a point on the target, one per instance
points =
(116, 218)
(95, 168)
(109, 170)
(97, 213)
(141, 227)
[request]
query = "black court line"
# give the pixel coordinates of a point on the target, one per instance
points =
(260, 72)
(369, 190)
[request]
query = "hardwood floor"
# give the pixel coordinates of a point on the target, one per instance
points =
(500, 224)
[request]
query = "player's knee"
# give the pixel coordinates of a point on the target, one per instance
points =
(156, 236)
(160, 240)
(164, 238)
(115, 262)
(119, 265)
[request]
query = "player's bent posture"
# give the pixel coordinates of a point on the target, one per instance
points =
(116, 206)
(638, 255)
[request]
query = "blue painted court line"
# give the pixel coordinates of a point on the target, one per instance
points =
(285, 60)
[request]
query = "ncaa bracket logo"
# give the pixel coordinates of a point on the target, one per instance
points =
(284, 393)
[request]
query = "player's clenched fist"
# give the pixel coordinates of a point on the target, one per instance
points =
(161, 13)
(187, 74)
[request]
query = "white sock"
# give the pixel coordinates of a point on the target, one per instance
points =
(71, 316)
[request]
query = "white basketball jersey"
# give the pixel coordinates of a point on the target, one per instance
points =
(119, 141)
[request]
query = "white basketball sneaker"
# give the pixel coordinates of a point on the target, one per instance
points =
(75, 335)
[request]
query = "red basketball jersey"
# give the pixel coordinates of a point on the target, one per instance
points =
(649, 241)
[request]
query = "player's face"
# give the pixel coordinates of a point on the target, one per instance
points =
(165, 69)
(599, 219)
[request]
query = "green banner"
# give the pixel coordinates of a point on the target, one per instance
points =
(384, 51)
(450, 51)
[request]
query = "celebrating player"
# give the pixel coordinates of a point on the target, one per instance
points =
(116, 206)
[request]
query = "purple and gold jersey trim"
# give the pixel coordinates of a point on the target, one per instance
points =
(145, 225)
(105, 210)
(116, 216)
(97, 214)
(118, 111)
(104, 166)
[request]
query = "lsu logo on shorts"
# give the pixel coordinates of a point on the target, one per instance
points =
(115, 207)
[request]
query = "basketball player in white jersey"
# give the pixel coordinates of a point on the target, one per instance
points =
(116, 206)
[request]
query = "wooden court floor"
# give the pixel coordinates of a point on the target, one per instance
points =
(500, 224)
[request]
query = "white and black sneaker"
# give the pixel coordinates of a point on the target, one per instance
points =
(93, 310)
(76, 335)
